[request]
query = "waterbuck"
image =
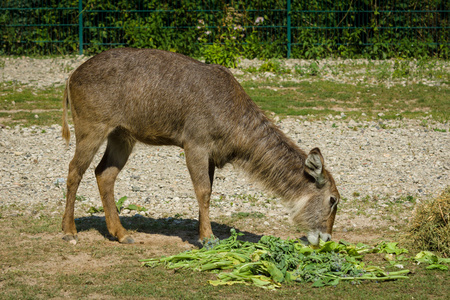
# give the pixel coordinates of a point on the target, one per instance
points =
(162, 98)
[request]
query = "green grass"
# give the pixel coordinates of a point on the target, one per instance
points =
(16, 97)
(24, 105)
(322, 98)
(245, 215)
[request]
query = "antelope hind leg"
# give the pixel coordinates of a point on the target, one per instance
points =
(84, 153)
(119, 147)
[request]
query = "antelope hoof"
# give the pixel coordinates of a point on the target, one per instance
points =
(127, 240)
(70, 238)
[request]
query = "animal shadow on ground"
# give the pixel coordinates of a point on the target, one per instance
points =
(186, 229)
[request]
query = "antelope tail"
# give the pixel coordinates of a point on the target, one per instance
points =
(66, 102)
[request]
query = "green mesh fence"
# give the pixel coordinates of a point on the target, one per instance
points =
(308, 28)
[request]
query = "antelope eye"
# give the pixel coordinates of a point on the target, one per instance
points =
(333, 201)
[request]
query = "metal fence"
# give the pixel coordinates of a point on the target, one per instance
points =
(296, 27)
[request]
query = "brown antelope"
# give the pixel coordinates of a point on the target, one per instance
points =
(162, 98)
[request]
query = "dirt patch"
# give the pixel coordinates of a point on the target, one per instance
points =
(156, 243)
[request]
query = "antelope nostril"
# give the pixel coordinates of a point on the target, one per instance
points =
(328, 238)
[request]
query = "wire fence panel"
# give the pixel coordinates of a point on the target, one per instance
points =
(38, 27)
(370, 27)
(281, 28)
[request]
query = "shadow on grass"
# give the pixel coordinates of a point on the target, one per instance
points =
(186, 229)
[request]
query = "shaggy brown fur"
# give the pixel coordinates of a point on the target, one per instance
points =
(162, 98)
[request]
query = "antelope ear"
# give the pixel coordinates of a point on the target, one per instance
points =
(314, 166)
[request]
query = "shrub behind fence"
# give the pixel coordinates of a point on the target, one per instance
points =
(258, 28)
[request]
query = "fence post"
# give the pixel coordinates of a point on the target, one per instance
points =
(80, 25)
(288, 28)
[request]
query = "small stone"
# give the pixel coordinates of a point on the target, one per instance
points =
(60, 181)
(352, 123)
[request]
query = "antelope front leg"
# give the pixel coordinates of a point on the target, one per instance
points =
(204, 227)
(201, 170)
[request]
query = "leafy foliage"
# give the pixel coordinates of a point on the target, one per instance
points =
(250, 28)
(272, 261)
(433, 260)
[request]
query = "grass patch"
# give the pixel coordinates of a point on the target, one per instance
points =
(22, 97)
(322, 98)
(244, 215)
(24, 105)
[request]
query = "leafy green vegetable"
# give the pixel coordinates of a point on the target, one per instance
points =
(435, 262)
(272, 261)
(391, 248)
(437, 266)
(120, 202)
(136, 207)
(426, 257)
(94, 210)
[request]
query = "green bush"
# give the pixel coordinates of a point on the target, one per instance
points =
(249, 28)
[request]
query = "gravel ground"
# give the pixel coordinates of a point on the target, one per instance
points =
(386, 161)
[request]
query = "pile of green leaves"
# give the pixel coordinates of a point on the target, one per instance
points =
(273, 261)
(433, 260)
